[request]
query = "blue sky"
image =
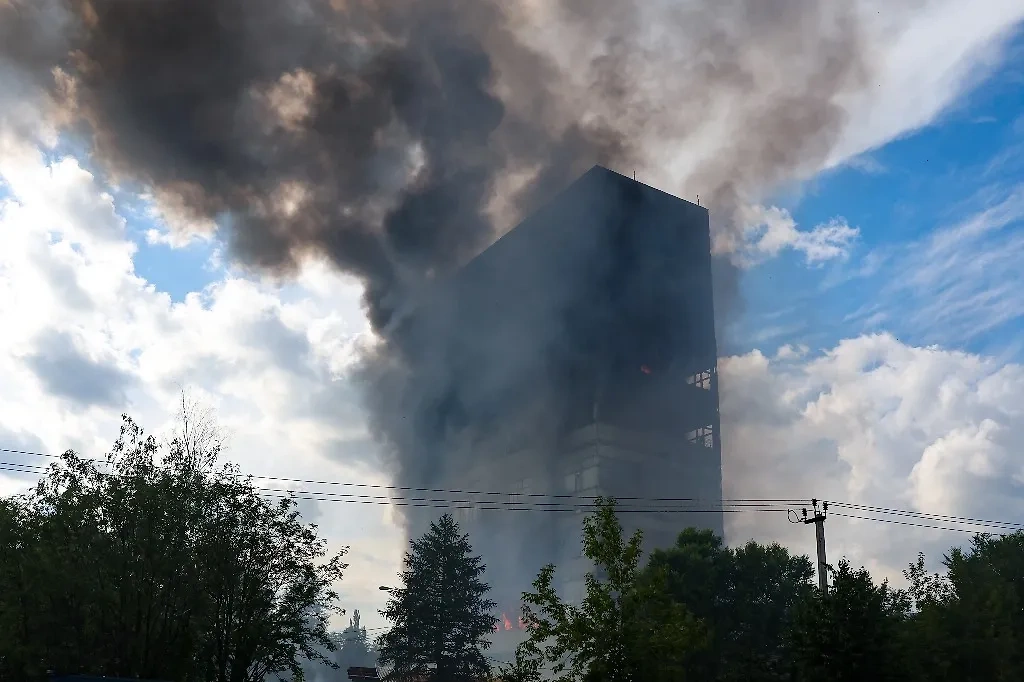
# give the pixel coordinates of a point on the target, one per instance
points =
(177, 271)
(968, 160)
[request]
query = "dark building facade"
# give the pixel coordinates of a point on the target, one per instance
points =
(584, 364)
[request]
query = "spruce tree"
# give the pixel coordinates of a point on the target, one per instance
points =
(441, 615)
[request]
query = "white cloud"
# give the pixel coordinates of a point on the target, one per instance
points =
(865, 163)
(924, 57)
(927, 55)
(873, 421)
(789, 352)
(768, 231)
(85, 338)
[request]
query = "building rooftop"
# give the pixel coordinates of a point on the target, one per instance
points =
(600, 198)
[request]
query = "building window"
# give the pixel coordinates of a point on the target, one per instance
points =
(703, 436)
(701, 379)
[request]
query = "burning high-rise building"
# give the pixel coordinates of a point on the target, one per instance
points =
(581, 362)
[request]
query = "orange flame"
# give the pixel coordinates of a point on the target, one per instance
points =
(508, 623)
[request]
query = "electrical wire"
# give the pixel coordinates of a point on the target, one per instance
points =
(449, 491)
(494, 505)
(566, 503)
(908, 523)
(926, 515)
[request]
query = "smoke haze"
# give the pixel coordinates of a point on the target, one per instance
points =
(397, 139)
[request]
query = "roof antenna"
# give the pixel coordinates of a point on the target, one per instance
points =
(634, 175)
(698, 200)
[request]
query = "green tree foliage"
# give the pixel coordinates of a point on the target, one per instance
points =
(525, 667)
(158, 566)
(745, 597)
(626, 629)
(441, 615)
(854, 632)
(969, 623)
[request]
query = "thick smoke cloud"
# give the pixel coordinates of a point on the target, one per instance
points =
(396, 139)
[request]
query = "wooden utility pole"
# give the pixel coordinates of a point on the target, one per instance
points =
(818, 519)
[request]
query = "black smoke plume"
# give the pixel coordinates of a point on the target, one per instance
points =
(398, 138)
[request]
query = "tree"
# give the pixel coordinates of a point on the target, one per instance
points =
(271, 596)
(442, 618)
(853, 632)
(626, 629)
(525, 667)
(744, 596)
(16, 601)
(158, 566)
(968, 624)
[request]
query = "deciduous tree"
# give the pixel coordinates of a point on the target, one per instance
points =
(625, 630)
(154, 564)
(851, 633)
(968, 622)
(744, 596)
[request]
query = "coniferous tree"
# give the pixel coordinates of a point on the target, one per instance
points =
(441, 614)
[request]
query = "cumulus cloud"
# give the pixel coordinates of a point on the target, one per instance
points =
(767, 231)
(874, 421)
(65, 371)
(86, 338)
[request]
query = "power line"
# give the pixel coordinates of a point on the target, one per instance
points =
(908, 523)
(500, 506)
(399, 501)
(493, 505)
(514, 501)
(449, 491)
(926, 515)
(569, 502)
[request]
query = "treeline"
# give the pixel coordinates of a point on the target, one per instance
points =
(703, 611)
(162, 564)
